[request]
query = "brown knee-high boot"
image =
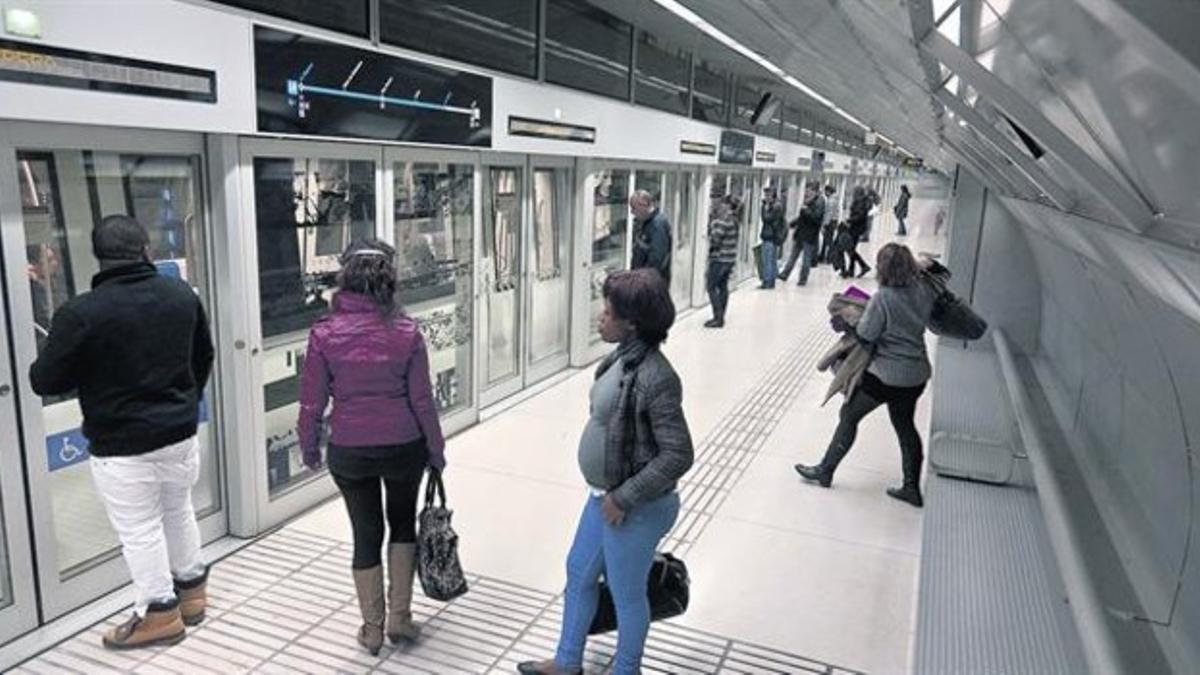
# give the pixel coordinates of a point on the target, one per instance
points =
(402, 562)
(368, 584)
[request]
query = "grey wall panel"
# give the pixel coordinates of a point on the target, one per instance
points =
(1007, 288)
(963, 237)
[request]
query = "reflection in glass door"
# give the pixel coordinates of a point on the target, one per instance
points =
(684, 232)
(549, 288)
(503, 280)
(67, 179)
(610, 223)
(433, 205)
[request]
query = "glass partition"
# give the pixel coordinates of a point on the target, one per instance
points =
(307, 210)
(684, 224)
(610, 223)
(63, 194)
(587, 48)
(500, 34)
(550, 296)
(434, 207)
(502, 261)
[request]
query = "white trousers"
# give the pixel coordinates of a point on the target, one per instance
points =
(149, 502)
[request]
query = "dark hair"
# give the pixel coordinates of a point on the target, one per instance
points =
(120, 238)
(812, 185)
(732, 201)
(897, 266)
(369, 268)
(641, 297)
(830, 189)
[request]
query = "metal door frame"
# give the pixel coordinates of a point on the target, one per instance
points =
(705, 177)
(16, 548)
(583, 350)
(536, 371)
(59, 596)
(294, 499)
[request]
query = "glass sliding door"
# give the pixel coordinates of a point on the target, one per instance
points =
(610, 237)
(504, 283)
(433, 209)
(683, 237)
(306, 202)
(553, 193)
(67, 180)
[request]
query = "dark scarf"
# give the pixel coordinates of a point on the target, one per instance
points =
(631, 352)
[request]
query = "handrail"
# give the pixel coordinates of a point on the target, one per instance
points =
(1099, 647)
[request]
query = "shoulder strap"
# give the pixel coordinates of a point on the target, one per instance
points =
(433, 485)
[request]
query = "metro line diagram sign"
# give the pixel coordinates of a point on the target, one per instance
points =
(320, 88)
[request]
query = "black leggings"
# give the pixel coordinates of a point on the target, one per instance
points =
(856, 258)
(902, 408)
(360, 474)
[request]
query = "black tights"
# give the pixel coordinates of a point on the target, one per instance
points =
(856, 258)
(902, 408)
(361, 480)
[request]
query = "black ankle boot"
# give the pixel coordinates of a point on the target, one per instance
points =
(817, 474)
(908, 493)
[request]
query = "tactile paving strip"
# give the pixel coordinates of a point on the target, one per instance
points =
(725, 454)
(286, 604)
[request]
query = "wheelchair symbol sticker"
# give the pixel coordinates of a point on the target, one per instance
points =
(66, 449)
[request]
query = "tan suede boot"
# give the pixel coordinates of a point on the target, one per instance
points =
(368, 584)
(402, 564)
(162, 625)
(193, 598)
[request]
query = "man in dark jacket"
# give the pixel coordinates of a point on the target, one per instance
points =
(651, 236)
(806, 232)
(773, 234)
(137, 350)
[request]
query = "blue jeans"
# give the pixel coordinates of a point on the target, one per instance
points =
(623, 554)
(770, 266)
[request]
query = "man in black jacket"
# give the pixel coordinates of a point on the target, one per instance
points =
(773, 234)
(806, 232)
(651, 236)
(137, 350)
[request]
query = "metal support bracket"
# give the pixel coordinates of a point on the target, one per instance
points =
(1136, 214)
(1032, 170)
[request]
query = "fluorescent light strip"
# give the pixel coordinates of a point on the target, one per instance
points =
(712, 31)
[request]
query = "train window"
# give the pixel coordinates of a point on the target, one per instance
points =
(500, 34)
(708, 93)
(344, 16)
(745, 101)
(663, 74)
(587, 48)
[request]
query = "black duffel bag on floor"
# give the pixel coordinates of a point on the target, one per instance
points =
(667, 588)
(438, 568)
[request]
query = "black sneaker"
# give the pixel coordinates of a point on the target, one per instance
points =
(714, 323)
(816, 474)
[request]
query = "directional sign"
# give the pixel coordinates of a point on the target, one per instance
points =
(311, 86)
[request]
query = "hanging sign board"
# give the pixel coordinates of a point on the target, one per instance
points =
(736, 148)
(320, 88)
(74, 69)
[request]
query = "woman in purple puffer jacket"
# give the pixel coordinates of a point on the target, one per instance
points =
(370, 358)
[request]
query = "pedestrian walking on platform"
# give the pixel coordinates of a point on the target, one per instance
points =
(773, 234)
(894, 324)
(806, 233)
(901, 210)
(138, 351)
(370, 358)
(633, 451)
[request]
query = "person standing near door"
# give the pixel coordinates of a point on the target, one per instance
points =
(138, 351)
(773, 234)
(370, 358)
(651, 236)
(901, 210)
(722, 255)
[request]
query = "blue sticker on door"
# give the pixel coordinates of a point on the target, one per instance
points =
(69, 447)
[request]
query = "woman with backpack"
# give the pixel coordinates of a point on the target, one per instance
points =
(633, 451)
(370, 358)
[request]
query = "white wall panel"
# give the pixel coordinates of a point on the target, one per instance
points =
(160, 30)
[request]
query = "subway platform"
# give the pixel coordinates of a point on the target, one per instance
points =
(786, 577)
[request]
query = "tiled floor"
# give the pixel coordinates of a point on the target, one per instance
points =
(786, 577)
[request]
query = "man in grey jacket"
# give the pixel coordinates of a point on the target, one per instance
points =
(651, 236)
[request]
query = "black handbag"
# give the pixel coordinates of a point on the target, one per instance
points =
(667, 588)
(438, 568)
(952, 317)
